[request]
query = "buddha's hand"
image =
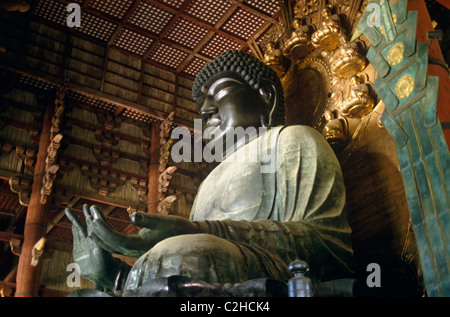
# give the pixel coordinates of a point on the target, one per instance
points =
(155, 228)
(96, 264)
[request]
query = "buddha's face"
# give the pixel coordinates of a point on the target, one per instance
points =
(227, 101)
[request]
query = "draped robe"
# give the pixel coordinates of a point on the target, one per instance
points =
(257, 215)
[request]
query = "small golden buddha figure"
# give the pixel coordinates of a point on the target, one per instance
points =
(359, 103)
(347, 60)
(336, 127)
(296, 47)
(327, 37)
(274, 59)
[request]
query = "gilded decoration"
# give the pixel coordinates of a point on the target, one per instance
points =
(297, 46)
(404, 86)
(324, 74)
(311, 79)
(395, 54)
(327, 36)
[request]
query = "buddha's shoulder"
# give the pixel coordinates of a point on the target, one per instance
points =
(300, 133)
(311, 141)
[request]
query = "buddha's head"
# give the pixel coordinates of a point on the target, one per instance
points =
(238, 90)
(240, 87)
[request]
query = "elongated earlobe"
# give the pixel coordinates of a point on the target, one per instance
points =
(268, 92)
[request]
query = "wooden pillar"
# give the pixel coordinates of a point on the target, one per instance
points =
(153, 172)
(423, 26)
(28, 276)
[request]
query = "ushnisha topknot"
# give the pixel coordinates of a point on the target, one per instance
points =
(251, 69)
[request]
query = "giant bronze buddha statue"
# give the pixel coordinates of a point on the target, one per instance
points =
(246, 222)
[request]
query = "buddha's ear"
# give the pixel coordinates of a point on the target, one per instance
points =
(269, 93)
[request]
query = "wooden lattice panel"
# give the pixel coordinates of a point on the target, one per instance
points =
(132, 41)
(71, 95)
(173, 3)
(168, 55)
(8, 204)
(36, 83)
(137, 116)
(120, 226)
(186, 33)
(208, 11)
(52, 10)
(150, 17)
(114, 8)
(194, 66)
(219, 44)
(269, 7)
(96, 27)
(119, 213)
(243, 23)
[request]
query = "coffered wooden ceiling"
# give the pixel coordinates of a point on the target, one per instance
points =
(176, 35)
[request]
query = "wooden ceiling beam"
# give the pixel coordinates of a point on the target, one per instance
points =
(93, 93)
(61, 214)
(7, 236)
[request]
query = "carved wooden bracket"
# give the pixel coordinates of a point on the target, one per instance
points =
(52, 150)
(57, 118)
(22, 187)
(66, 166)
(166, 127)
(37, 251)
(109, 121)
(165, 173)
(164, 154)
(132, 209)
(108, 139)
(47, 182)
(105, 156)
(28, 156)
(51, 167)
(103, 180)
(15, 246)
(165, 204)
(35, 130)
(164, 151)
(141, 186)
(105, 134)
(164, 181)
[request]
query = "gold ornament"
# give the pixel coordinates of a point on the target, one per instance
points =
(404, 86)
(395, 54)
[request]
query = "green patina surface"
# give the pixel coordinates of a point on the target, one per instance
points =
(412, 122)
